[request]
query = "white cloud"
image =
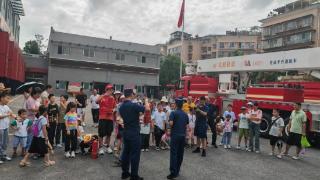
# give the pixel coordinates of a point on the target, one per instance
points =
(142, 21)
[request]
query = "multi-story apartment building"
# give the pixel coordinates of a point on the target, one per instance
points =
(88, 60)
(11, 62)
(293, 26)
(214, 46)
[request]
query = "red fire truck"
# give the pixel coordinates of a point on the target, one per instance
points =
(233, 85)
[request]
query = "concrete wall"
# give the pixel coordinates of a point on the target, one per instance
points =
(56, 73)
(105, 56)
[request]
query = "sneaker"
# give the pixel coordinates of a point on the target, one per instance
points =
(215, 146)
(1, 162)
(271, 154)
(295, 157)
(196, 150)
(204, 154)
(257, 152)
(67, 154)
(220, 144)
(83, 124)
(157, 149)
(109, 150)
(59, 145)
(279, 156)
(142, 150)
(247, 149)
(101, 151)
(73, 155)
(6, 158)
(229, 147)
(250, 150)
(225, 146)
(163, 148)
(238, 147)
(147, 150)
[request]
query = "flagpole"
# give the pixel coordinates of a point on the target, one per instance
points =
(182, 38)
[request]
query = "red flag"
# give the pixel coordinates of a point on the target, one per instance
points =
(181, 17)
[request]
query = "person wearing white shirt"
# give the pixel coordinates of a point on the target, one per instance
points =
(95, 107)
(5, 115)
(159, 117)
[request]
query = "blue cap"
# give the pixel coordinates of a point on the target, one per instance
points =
(179, 101)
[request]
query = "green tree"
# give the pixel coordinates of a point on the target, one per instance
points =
(170, 70)
(35, 46)
(237, 53)
(32, 47)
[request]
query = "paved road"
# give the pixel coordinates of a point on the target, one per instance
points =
(220, 164)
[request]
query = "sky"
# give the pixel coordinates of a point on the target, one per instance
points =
(140, 21)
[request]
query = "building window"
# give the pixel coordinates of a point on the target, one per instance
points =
(221, 45)
(214, 46)
(88, 52)
(190, 48)
(118, 87)
(62, 85)
(120, 57)
(140, 89)
(142, 59)
(299, 38)
(231, 45)
(189, 56)
(63, 50)
(86, 85)
(209, 48)
(204, 50)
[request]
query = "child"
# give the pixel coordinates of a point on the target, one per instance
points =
(61, 127)
(21, 126)
(5, 115)
(219, 125)
(71, 119)
(53, 111)
(277, 126)
(145, 127)
(227, 132)
(39, 143)
(165, 140)
(192, 120)
(232, 115)
(243, 127)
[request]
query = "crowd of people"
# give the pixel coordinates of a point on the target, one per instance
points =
(137, 124)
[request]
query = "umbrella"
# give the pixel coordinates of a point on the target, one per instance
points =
(27, 85)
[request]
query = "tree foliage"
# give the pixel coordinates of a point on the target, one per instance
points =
(170, 70)
(35, 46)
(32, 47)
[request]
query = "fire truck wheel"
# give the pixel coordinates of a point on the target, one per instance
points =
(265, 125)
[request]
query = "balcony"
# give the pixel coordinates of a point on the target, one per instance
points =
(290, 46)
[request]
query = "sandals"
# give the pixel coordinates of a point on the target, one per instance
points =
(49, 163)
(24, 163)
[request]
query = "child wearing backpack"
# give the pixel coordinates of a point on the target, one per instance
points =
(277, 126)
(39, 144)
(71, 119)
(21, 125)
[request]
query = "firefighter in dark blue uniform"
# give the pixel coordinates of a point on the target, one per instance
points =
(178, 121)
(130, 113)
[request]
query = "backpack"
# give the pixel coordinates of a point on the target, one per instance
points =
(35, 128)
